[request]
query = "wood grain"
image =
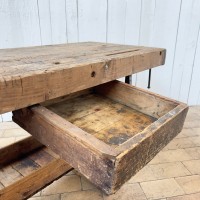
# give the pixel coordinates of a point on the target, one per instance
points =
(111, 160)
(141, 100)
(31, 170)
(102, 117)
(33, 75)
(87, 154)
(17, 150)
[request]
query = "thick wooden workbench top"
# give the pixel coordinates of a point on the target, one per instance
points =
(36, 74)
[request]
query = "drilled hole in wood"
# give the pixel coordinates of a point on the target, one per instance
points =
(93, 74)
(56, 63)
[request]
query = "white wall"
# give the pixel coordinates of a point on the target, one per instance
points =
(174, 25)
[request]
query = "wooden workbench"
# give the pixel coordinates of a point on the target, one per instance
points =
(62, 69)
(79, 75)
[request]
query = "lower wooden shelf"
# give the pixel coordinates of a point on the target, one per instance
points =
(26, 167)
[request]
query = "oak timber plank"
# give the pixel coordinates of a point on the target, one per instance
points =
(139, 99)
(73, 49)
(57, 53)
(35, 169)
(29, 185)
(17, 150)
(41, 157)
(33, 75)
(77, 108)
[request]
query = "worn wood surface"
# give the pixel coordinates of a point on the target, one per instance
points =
(26, 167)
(17, 150)
(87, 154)
(36, 74)
(105, 164)
(140, 150)
(146, 102)
(106, 119)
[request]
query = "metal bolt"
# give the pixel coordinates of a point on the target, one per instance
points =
(106, 67)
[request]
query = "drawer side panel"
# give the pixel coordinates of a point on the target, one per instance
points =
(140, 153)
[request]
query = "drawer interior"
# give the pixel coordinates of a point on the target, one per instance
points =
(108, 120)
(110, 113)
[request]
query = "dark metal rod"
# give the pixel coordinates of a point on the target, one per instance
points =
(128, 79)
(149, 80)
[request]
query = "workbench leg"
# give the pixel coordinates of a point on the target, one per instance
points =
(128, 79)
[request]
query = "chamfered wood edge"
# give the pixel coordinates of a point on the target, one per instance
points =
(111, 68)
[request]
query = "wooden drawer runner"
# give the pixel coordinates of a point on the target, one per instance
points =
(108, 132)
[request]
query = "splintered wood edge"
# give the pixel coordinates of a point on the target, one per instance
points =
(31, 184)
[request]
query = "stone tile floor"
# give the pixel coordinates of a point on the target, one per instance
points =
(174, 174)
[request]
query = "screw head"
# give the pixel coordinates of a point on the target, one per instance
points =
(106, 67)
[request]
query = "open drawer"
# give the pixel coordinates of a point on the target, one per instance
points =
(108, 132)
